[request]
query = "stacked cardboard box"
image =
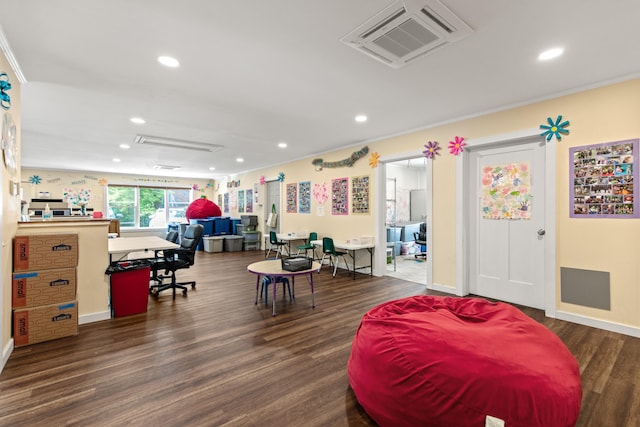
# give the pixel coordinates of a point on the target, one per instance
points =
(44, 287)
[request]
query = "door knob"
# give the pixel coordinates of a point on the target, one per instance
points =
(541, 232)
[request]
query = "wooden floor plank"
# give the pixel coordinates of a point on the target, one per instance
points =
(215, 358)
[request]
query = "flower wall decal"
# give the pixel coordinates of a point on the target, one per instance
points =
(35, 179)
(555, 128)
(102, 182)
(455, 146)
(431, 149)
(262, 180)
(373, 159)
(281, 177)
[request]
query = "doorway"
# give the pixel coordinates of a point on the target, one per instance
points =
(502, 256)
(405, 210)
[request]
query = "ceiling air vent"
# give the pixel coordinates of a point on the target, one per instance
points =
(407, 30)
(166, 167)
(158, 141)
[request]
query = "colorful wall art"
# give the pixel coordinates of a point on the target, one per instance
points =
(304, 197)
(292, 198)
(506, 191)
(241, 201)
(226, 203)
(249, 205)
(340, 196)
(360, 195)
(602, 178)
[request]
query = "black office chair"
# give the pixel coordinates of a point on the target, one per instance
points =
(176, 259)
(328, 248)
(421, 238)
(274, 242)
(172, 236)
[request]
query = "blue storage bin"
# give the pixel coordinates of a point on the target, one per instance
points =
(221, 225)
(207, 223)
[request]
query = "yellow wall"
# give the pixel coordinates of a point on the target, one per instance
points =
(10, 210)
(597, 116)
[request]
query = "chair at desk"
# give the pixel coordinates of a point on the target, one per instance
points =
(274, 242)
(308, 246)
(421, 238)
(172, 236)
(328, 248)
(176, 259)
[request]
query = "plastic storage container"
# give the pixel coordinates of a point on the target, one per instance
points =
(251, 240)
(129, 287)
(213, 243)
(233, 243)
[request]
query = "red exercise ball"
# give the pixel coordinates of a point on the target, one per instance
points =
(203, 208)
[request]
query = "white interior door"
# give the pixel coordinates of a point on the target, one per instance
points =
(506, 256)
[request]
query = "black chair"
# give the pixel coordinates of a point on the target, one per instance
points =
(328, 248)
(172, 236)
(274, 242)
(421, 238)
(176, 259)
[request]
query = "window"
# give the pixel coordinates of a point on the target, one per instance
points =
(147, 207)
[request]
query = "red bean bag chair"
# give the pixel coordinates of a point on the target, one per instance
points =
(441, 361)
(202, 208)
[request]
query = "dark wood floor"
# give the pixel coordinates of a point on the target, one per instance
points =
(214, 358)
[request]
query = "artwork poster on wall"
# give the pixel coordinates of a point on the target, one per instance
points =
(602, 180)
(249, 206)
(304, 197)
(506, 191)
(360, 195)
(292, 198)
(226, 203)
(241, 201)
(340, 196)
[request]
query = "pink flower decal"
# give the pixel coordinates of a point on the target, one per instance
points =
(455, 146)
(431, 149)
(262, 180)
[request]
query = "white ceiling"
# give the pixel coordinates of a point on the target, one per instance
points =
(254, 73)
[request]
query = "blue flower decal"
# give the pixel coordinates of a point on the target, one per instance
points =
(35, 179)
(555, 128)
(281, 177)
(5, 99)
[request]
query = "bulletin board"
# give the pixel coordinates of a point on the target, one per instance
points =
(292, 198)
(360, 195)
(304, 197)
(340, 196)
(602, 180)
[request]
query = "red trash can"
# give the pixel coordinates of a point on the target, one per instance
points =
(129, 287)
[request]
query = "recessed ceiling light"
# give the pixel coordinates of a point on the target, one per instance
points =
(282, 144)
(239, 160)
(137, 120)
(361, 118)
(125, 146)
(550, 54)
(116, 160)
(168, 61)
(212, 168)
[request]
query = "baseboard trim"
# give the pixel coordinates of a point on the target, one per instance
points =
(619, 328)
(94, 317)
(442, 288)
(6, 352)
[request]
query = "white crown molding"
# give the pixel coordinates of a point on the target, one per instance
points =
(13, 62)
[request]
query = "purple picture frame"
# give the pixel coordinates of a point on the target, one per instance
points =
(602, 180)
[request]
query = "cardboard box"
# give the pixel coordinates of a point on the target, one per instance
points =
(45, 251)
(33, 288)
(44, 323)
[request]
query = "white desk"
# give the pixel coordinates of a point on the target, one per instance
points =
(290, 237)
(351, 248)
(127, 245)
